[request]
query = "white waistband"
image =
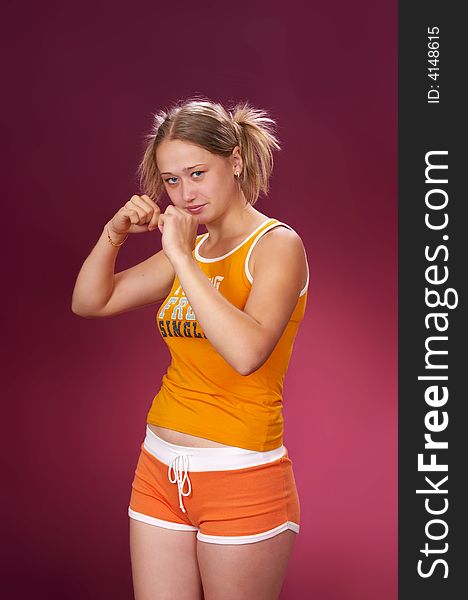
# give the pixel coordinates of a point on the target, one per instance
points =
(219, 458)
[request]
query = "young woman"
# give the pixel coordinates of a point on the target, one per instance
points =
(214, 508)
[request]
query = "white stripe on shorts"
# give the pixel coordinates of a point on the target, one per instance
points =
(248, 539)
(159, 522)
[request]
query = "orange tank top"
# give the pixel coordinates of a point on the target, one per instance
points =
(201, 394)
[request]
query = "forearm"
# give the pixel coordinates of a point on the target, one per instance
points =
(217, 315)
(95, 280)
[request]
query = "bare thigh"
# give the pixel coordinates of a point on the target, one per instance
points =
(246, 571)
(164, 563)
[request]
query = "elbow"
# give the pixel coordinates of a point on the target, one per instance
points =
(248, 365)
(84, 309)
(76, 311)
(76, 308)
(81, 312)
(244, 370)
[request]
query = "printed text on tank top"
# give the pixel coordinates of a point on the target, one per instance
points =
(176, 318)
(201, 395)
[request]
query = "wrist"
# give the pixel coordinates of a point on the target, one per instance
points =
(181, 260)
(114, 238)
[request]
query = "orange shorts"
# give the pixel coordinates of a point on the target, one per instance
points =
(227, 495)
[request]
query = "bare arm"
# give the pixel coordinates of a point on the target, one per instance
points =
(95, 281)
(99, 292)
(280, 273)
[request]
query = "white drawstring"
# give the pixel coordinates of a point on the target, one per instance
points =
(180, 466)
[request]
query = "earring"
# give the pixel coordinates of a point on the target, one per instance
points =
(237, 175)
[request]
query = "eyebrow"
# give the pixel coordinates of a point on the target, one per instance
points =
(186, 168)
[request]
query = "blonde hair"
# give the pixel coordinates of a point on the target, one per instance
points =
(209, 125)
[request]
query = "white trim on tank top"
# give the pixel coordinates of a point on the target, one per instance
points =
(248, 274)
(216, 258)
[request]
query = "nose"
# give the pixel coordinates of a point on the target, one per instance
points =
(188, 192)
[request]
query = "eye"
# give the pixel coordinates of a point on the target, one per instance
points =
(168, 180)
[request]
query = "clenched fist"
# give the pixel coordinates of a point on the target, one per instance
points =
(138, 215)
(179, 232)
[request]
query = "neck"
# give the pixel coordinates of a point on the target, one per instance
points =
(234, 222)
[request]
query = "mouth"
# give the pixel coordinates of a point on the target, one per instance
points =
(195, 208)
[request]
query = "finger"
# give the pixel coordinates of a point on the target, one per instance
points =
(138, 203)
(142, 207)
(150, 201)
(154, 219)
(161, 222)
(143, 216)
(136, 200)
(156, 211)
(153, 211)
(132, 215)
(183, 212)
(138, 216)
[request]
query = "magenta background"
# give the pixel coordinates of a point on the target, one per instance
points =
(81, 83)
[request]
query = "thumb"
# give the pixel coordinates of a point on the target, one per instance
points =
(161, 222)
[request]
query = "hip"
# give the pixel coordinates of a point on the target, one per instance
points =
(182, 439)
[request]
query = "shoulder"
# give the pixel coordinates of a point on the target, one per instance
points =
(281, 231)
(279, 240)
(283, 248)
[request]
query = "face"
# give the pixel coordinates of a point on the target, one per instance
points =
(194, 177)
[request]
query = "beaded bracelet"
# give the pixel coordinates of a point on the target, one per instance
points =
(110, 240)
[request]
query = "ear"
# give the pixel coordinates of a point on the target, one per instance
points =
(236, 159)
